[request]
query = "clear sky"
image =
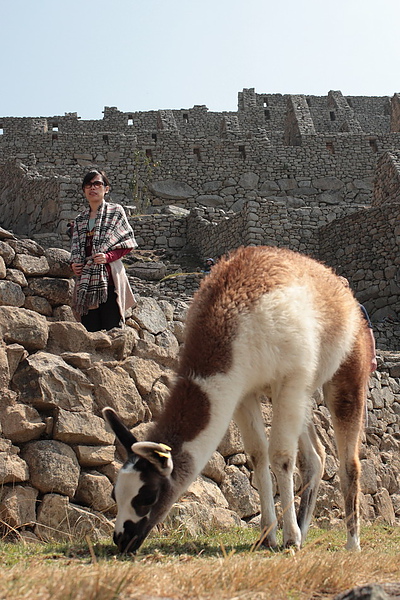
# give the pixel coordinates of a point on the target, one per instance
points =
(60, 56)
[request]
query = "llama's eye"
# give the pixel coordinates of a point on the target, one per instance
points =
(142, 503)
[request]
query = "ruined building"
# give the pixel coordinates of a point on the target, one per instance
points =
(318, 174)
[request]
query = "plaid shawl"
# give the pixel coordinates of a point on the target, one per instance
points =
(111, 232)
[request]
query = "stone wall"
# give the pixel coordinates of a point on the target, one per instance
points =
(57, 458)
(370, 258)
(387, 179)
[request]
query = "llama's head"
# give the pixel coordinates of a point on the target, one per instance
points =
(141, 487)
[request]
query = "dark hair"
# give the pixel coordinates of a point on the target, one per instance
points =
(92, 173)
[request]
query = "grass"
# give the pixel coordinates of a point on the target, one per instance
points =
(221, 565)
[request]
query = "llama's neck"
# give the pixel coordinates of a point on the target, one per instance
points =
(195, 419)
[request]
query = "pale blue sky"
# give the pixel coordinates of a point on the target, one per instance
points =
(60, 56)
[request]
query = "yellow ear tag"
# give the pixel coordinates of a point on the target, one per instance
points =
(166, 453)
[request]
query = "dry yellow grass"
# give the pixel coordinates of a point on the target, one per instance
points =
(185, 570)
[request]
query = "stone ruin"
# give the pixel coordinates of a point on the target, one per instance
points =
(320, 175)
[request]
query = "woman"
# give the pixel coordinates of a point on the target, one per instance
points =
(101, 237)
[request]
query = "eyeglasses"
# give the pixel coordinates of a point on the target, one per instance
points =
(95, 184)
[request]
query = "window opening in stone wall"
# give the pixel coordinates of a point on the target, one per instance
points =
(332, 115)
(330, 147)
(265, 102)
(105, 139)
(154, 136)
(130, 120)
(1, 129)
(349, 102)
(54, 137)
(267, 115)
(186, 117)
(149, 154)
(54, 127)
(374, 144)
(242, 152)
(308, 100)
(196, 152)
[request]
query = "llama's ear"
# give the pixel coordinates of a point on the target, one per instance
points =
(159, 455)
(119, 428)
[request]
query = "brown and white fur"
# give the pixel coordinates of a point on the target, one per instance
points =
(265, 320)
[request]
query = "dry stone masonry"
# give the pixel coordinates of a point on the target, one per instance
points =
(317, 174)
(58, 461)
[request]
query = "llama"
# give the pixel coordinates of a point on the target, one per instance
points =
(265, 320)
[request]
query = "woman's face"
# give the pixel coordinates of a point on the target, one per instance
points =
(95, 190)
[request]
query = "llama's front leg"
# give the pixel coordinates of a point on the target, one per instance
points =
(311, 460)
(248, 418)
(290, 409)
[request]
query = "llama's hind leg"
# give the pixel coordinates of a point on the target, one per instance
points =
(311, 461)
(290, 406)
(248, 418)
(345, 397)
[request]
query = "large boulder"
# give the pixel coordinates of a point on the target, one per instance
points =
(61, 520)
(53, 467)
(46, 381)
(24, 327)
(11, 293)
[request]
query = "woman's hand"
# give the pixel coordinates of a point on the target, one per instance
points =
(99, 259)
(77, 268)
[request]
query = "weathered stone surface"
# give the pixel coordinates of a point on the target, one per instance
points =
(149, 315)
(53, 467)
(123, 341)
(231, 443)
(210, 200)
(79, 360)
(21, 423)
(15, 353)
(26, 247)
(61, 520)
(55, 289)
(31, 266)
(153, 271)
(3, 269)
(384, 507)
(7, 253)
(241, 496)
(81, 428)
(206, 492)
(73, 337)
(171, 189)
(143, 372)
(164, 355)
(45, 381)
(113, 388)
(12, 468)
(11, 294)
(16, 277)
(94, 456)
(59, 262)
(24, 327)
(327, 183)
(249, 181)
(18, 505)
(215, 468)
(39, 305)
(94, 490)
(157, 398)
